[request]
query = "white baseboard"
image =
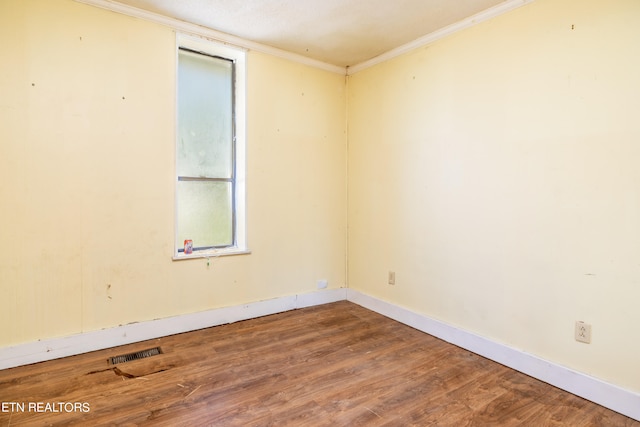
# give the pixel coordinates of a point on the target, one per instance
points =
(55, 348)
(608, 395)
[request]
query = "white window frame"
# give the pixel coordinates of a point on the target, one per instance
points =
(238, 56)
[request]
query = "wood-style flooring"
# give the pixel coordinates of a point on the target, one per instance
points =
(331, 365)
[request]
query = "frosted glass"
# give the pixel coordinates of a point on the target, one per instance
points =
(205, 213)
(205, 121)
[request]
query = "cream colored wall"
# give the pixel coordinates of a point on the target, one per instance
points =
(87, 187)
(496, 172)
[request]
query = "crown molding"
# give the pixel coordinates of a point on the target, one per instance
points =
(440, 34)
(208, 33)
(228, 39)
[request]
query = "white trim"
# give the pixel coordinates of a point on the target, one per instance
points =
(198, 30)
(189, 28)
(608, 395)
(213, 253)
(55, 348)
(238, 56)
(427, 39)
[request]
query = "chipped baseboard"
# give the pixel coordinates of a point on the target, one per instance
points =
(55, 348)
(608, 395)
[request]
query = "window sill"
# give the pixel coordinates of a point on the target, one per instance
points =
(213, 253)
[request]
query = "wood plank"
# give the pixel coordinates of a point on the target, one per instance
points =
(337, 364)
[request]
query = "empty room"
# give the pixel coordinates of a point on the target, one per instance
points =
(320, 212)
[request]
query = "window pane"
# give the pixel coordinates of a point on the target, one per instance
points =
(205, 213)
(205, 105)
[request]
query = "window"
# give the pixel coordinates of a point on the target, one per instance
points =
(209, 150)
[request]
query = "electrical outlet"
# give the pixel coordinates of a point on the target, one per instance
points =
(583, 332)
(392, 277)
(322, 284)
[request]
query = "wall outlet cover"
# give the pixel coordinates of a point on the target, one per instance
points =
(583, 332)
(392, 278)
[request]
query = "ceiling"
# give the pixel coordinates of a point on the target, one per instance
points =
(338, 32)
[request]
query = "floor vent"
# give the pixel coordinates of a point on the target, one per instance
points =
(135, 356)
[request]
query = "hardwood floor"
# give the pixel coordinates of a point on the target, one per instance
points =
(332, 365)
